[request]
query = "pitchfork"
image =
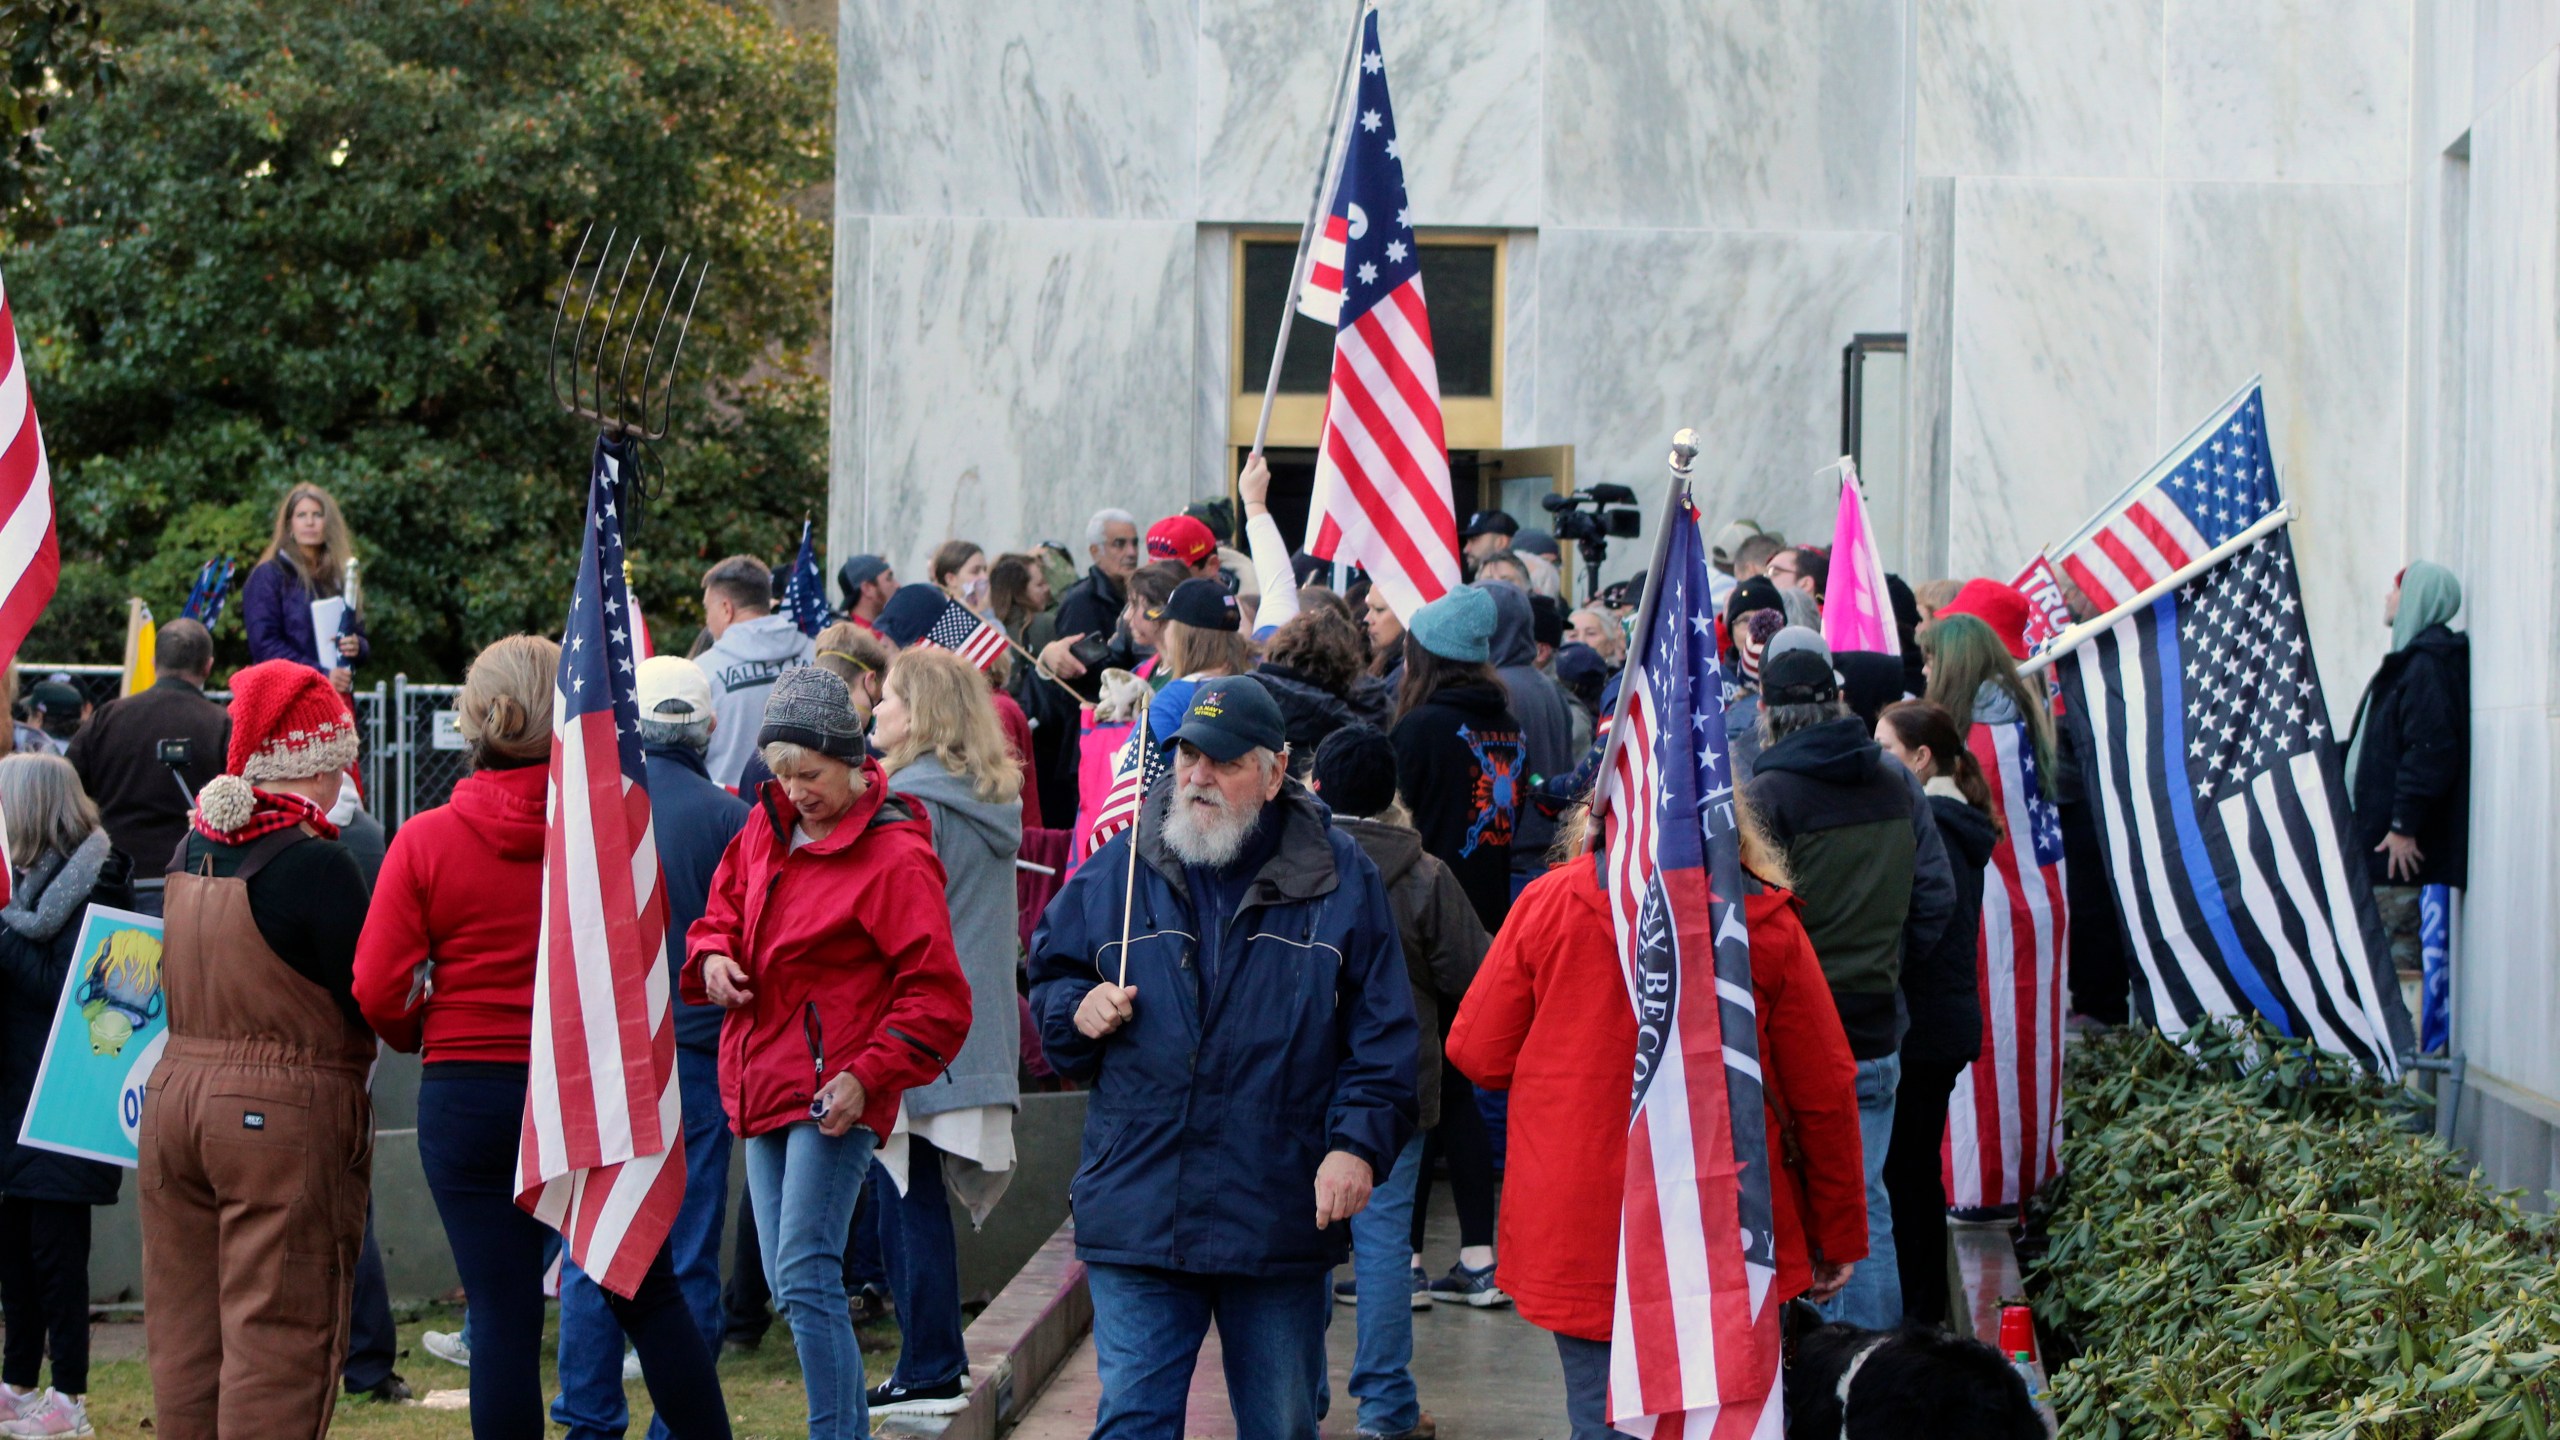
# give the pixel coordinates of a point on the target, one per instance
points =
(608, 337)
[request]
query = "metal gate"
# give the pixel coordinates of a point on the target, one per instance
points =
(99, 684)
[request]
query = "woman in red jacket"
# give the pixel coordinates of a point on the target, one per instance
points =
(828, 940)
(1548, 1020)
(446, 960)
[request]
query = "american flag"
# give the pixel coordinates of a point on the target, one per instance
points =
(804, 595)
(2223, 814)
(966, 633)
(30, 561)
(1694, 1348)
(2218, 483)
(602, 1157)
(1382, 467)
(1135, 768)
(2004, 1119)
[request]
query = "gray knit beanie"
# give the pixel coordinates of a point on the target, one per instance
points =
(811, 708)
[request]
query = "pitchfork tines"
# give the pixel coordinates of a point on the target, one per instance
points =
(619, 363)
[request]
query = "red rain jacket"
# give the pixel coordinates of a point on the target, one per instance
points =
(1548, 1020)
(852, 927)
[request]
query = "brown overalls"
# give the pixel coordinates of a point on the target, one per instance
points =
(257, 1159)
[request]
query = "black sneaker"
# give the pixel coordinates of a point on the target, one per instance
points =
(1984, 1215)
(389, 1390)
(1469, 1287)
(948, 1398)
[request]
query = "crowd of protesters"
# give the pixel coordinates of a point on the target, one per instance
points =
(1353, 946)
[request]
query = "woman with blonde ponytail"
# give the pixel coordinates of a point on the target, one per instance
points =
(446, 966)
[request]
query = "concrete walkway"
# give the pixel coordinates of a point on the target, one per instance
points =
(1484, 1374)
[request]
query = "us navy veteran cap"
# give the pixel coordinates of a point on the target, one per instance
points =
(1230, 715)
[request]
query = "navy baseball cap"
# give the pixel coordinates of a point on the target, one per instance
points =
(1490, 522)
(1229, 715)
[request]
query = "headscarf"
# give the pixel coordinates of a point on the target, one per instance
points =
(2429, 596)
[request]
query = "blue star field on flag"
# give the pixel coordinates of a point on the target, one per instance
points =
(804, 596)
(596, 668)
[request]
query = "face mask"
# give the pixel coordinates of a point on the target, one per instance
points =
(974, 593)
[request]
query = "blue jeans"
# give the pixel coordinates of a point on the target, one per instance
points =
(923, 1260)
(1873, 1299)
(591, 1401)
(1586, 1387)
(803, 1185)
(1147, 1329)
(1382, 1271)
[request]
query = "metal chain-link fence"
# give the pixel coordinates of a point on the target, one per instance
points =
(428, 754)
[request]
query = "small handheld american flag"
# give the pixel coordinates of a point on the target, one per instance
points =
(602, 1158)
(1135, 768)
(967, 634)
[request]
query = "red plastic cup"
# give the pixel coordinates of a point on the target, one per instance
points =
(2017, 1331)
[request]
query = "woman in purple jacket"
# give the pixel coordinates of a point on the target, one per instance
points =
(306, 561)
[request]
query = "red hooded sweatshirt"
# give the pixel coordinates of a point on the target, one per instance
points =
(461, 885)
(852, 930)
(1548, 1020)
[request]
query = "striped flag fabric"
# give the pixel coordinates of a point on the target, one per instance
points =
(1857, 614)
(2004, 1118)
(965, 633)
(2222, 814)
(30, 558)
(1694, 1345)
(1381, 497)
(602, 1156)
(2217, 483)
(1135, 768)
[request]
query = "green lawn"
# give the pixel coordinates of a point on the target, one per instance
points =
(763, 1388)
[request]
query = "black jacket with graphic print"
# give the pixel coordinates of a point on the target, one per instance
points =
(1462, 768)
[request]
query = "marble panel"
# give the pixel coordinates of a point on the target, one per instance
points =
(1736, 335)
(2510, 38)
(2314, 90)
(2443, 73)
(1928, 271)
(2026, 87)
(2508, 995)
(1465, 76)
(1024, 373)
(849, 350)
(1726, 114)
(1212, 357)
(2305, 284)
(2056, 360)
(1018, 107)
(1520, 342)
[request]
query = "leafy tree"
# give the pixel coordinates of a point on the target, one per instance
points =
(54, 49)
(322, 239)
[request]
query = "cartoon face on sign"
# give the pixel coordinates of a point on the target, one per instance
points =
(120, 990)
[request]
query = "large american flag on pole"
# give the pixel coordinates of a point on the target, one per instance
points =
(2222, 813)
(30, 559)
(2218, 481)
(2004, 1119)
(1694, 1349)
(602, 1156)
(1382, 466)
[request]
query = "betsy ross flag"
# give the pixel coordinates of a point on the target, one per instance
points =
(2222, 814)
(602, 1157)
(2217, 483)
(2004, 1118)
(1382, 466)
(804, 595)
(1694, 1347)
(965, 633)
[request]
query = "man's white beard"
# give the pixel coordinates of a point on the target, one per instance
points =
(1198, 835)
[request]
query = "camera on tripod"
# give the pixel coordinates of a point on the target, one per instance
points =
(1591, 519)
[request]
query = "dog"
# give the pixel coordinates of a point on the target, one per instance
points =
(1844, 1383)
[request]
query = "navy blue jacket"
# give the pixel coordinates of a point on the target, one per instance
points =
(276, 611)
(694, 821)
(1211, 1111)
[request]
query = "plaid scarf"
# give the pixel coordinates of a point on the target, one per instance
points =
(274, 811)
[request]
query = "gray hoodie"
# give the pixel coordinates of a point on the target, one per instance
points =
(976, 841)
(1538, 704)
(742, 666)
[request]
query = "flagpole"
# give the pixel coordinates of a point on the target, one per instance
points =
(1684, 449)
(1129, 886)
(2082, 633)
(1327, 175)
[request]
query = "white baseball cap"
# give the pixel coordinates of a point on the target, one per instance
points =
(674, 690)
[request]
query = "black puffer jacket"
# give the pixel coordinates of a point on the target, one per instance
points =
(1311, 712)
(2413, 758)
(37, 932)
(1941, 986)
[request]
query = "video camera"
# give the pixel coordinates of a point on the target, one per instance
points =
(1591, 519)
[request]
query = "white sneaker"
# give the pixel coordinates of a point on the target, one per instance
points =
(447, 1346)
(630, 1365)
(47, 1416)
(14, 1405)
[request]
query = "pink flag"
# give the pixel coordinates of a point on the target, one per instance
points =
(1857, 614)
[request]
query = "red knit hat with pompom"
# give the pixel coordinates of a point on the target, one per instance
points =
(286, 724)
